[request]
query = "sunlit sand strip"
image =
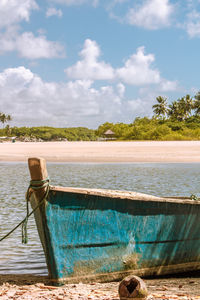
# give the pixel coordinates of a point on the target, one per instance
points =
(147, 151)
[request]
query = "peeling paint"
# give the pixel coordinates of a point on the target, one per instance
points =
(85, 234)
(131, 261)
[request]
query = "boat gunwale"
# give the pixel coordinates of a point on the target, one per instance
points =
(119, 194)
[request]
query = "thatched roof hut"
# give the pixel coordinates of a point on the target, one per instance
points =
(109, 134)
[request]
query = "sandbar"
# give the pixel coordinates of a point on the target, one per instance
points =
(100, 152)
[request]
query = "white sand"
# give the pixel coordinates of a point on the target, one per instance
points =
(21, 287)
(147, 151)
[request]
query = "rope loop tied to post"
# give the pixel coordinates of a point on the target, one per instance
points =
(38, 184)
(194, 197)
(34, 185)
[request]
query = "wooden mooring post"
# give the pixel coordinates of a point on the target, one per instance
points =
(38, 172)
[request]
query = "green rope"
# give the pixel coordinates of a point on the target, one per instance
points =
(35, 185)
(194, 197)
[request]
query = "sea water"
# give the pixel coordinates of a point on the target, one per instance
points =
(156, 179)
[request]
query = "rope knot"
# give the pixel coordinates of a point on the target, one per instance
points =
(194, 197)
(34, 185)
(38, 184)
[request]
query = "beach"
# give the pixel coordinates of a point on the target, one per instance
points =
(37, 287)
(113, 152)
(22, 286)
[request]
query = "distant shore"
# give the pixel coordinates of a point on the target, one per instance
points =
(100, 152)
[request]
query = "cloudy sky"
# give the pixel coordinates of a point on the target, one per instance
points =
(84, 62)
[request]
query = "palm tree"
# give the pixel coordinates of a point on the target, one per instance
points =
(5, 118)
(181, 109)
(197, 104)
(186, 105)
(189, 104)
(174, 110)
(183, 113)
(160, 109)
(8, 130)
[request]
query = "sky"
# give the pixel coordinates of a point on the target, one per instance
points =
(69, 63)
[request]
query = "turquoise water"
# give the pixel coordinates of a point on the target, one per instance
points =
(155, 179)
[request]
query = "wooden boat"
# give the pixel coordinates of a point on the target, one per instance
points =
(104, 235)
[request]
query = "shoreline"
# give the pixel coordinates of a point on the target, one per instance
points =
(97, 163)
(103, 152)
(20, 287)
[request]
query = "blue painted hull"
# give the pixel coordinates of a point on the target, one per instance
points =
(100, 235)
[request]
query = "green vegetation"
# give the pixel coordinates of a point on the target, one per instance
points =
(179, 120)
(154, 129)
(50, 133)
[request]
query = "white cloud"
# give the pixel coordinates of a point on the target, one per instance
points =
(168, 86)
(140, 107)
(121, 89)
(137, 69)
(76, 2)
(29, 46)
(151, 14)
(17, 78)
(33, 47)
(192, 24)
(32, 101)
(89, 67)
(52, 11)
(14, 11)
(7, 39)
